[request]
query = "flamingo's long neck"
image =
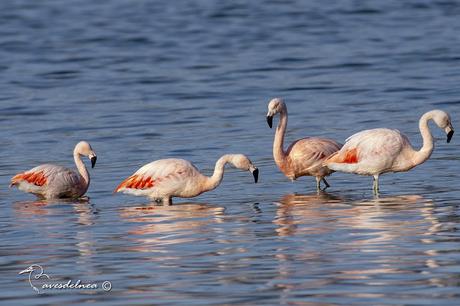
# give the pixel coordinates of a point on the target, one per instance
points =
(278, 151)
(425, 152)
(81, 169)
(216, 178)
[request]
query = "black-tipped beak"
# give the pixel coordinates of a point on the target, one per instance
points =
(449, 135)
(270, 121)
(93, 161)
(255, 173)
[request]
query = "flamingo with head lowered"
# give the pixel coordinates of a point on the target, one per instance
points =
(53, 182)
(377, 151)
(166, 178)
(304, 157)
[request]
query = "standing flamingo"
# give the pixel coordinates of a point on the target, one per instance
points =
(304, 156)
(166, 178)
(377, 151)
(51, 181)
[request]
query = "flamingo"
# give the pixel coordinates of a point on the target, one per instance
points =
(52, 182)
(377, 151)
(163, 179)
(304, 157)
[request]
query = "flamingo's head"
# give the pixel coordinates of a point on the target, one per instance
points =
(28, 270)
(442, 119)
(275, 106)
(84, 148)
(240, 161)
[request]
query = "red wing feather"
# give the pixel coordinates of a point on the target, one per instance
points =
(347, 157)
(136, 182)
(351, 156)
(36, 178)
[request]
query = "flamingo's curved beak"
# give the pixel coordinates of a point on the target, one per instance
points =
(270, 121)
(93, 160)
(255, 173)
(450, 132)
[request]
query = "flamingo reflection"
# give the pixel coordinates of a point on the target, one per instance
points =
(157, 226)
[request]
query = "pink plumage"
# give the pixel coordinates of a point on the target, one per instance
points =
(304, 157)
(51, 181)
(377, 151)
(163, 179)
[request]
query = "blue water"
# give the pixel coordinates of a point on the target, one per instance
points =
(143, 80)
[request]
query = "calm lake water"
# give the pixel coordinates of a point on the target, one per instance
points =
(143, 80)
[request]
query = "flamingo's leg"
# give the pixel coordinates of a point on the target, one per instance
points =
(163, 201)
(326, 183)
(375, 184)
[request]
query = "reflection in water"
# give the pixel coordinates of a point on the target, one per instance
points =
(295, 209)
(161, 226)
(96, 70)
(324, 209)
(379, 230)
(48, 213)
(298, 215)
(82, 208)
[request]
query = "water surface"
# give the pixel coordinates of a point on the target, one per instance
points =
(152, 79)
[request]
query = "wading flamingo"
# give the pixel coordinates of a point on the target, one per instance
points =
(377, 151)
(51, 181)
(304, 156)
(166, 178)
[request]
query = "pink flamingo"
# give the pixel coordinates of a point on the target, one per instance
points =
(166, 178)
(51, 181)
(304, 156)
(377, 151)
